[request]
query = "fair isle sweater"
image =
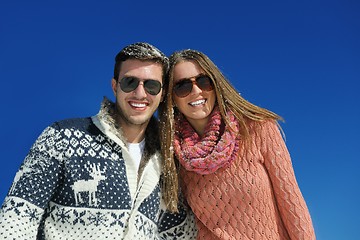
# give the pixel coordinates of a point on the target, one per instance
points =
(256, 197)
(79, 182)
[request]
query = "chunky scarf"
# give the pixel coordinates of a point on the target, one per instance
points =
(216, 149)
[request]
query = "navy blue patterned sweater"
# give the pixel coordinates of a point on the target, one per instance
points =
(79, 182)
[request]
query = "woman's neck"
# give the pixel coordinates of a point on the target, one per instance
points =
(199, 125)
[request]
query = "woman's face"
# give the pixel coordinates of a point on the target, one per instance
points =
(198, 104)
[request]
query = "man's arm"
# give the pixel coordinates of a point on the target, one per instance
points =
(32, 188)
(179, 225)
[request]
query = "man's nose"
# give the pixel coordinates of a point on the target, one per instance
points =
(140, 90)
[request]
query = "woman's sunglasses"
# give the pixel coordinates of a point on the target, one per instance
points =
(184, 87)
(129, 84)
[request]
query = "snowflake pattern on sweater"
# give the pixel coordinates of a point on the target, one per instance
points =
(77, 182)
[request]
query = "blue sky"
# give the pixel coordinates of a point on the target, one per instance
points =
(300, 59)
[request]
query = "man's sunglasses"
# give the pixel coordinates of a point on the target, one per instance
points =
(129, 84)
(184, 87)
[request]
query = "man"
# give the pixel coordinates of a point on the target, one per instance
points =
(99, 177)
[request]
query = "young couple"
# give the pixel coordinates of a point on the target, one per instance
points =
(118, 175)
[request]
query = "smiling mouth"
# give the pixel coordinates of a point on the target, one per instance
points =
(197, 103)
(138, 105)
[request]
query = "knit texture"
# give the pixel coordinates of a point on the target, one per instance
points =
(79, 182)
(256, 197)
(216, 149)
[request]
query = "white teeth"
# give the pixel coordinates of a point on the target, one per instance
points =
(138, 105)
(198, 102)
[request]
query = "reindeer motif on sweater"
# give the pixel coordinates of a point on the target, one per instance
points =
(89, 186)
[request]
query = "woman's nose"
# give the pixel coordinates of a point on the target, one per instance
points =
(195, 89)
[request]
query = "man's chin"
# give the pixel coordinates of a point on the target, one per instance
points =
(139, 120)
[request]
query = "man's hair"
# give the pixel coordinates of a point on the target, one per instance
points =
(141, 51)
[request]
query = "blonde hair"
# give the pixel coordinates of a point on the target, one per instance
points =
(228, 99)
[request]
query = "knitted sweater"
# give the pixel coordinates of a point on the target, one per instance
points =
(257, 197)
(79, 182)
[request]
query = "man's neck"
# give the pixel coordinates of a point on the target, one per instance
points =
(133, 133)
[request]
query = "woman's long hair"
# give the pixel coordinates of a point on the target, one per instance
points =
(227, 98)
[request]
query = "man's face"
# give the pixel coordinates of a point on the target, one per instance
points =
(136, 107)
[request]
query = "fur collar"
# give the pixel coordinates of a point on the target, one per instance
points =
(107, 114)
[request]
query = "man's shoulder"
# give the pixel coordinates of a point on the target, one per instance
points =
(70, 123)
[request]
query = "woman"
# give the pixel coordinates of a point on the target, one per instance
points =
(235, 170)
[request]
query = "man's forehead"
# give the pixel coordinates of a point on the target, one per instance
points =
(142, 69)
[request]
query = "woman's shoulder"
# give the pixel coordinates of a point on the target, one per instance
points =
(260, 125)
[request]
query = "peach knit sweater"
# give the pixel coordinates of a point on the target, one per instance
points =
(257, 197)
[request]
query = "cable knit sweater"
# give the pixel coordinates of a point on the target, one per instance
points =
(79, 182)
(256, 197)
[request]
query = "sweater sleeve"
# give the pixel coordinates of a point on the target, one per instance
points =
(32, 188)
(291, 204)
(179, 225)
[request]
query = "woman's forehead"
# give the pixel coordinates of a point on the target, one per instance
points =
(186, 69)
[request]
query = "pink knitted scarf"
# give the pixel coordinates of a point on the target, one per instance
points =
(216, 149)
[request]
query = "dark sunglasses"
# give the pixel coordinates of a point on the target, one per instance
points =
(129, 84)
(184, 87)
